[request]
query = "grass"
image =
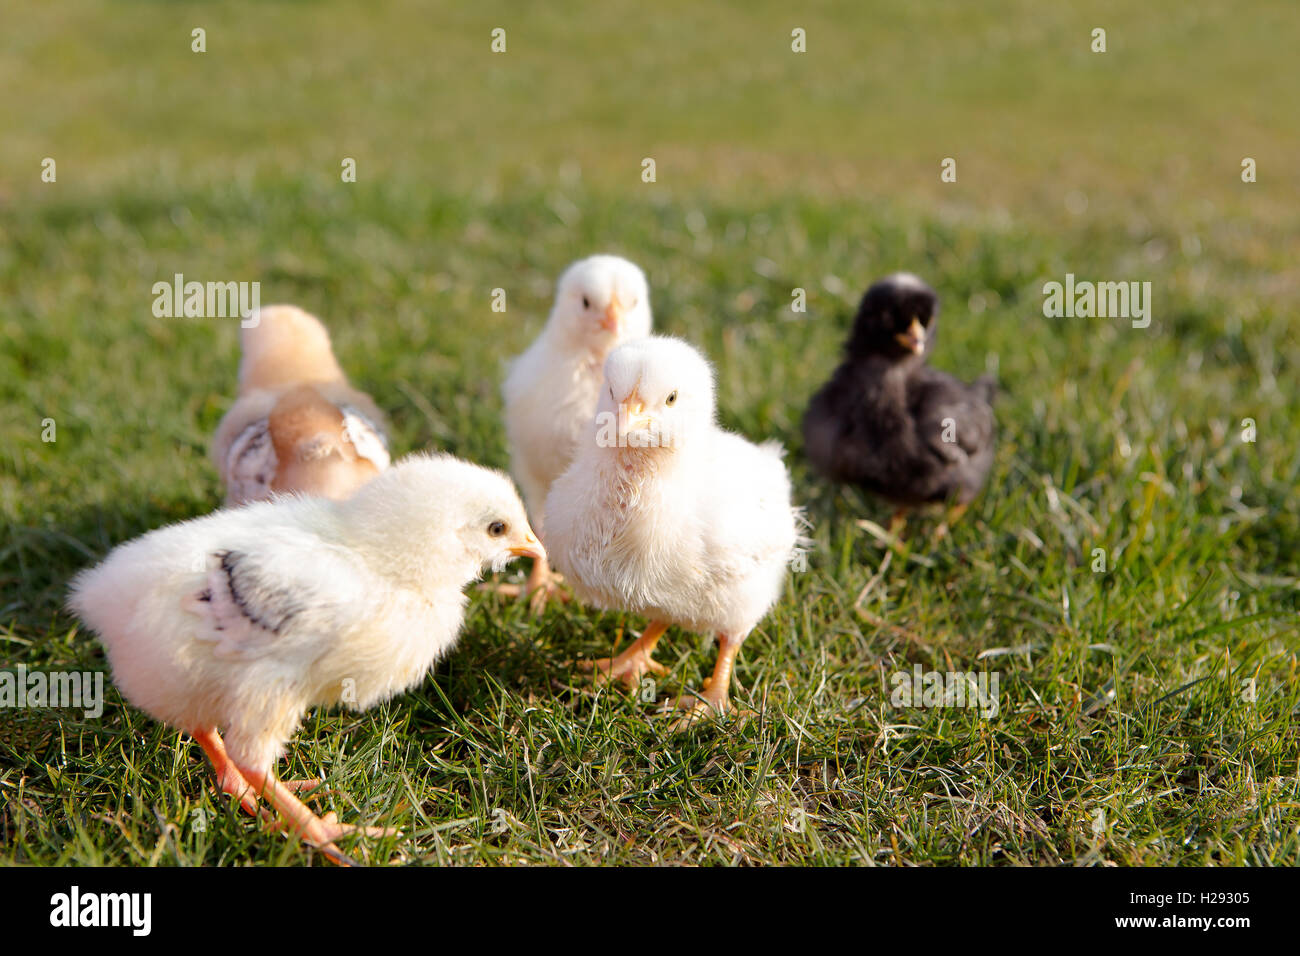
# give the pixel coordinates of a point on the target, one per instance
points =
(1124, 734)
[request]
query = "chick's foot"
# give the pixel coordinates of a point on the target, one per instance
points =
(953, 516)
(542, 585)
(715, 700)
(229, 779)
(334, 829)
(296, 816)
(692, 708)
(634, 663)
(696, 707)
(309, 788)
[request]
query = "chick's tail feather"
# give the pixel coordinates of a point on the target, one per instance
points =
(987, 386)
(286, 346)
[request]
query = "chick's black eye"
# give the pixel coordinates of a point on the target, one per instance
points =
(497, 528)
(586, 303)
(672, 398)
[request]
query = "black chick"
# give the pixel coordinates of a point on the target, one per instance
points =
(887, 421)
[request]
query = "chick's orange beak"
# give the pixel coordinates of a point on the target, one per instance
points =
(613, 320)
(635, 416)
(531, 548)
(914, 338)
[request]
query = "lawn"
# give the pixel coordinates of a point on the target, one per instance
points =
(1147, 712)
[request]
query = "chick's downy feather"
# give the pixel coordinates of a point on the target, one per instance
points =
(665, 514)
(551, 389)
(889, 422)
(247, 618)
(297, 424)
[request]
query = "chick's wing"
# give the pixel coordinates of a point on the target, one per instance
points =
(747, 515)
(295, 600)
(953, 419)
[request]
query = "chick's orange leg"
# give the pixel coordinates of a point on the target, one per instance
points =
(715, 701)
(633, 663)
(320, 832)
(544, 584)
(953, 516)
(229, 779)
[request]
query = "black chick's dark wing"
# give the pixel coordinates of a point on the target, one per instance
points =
(835, 433)
(955, 420)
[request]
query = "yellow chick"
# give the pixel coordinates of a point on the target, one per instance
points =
(240, 622)
(297, 426)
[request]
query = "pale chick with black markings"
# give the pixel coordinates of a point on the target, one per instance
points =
(666, 515)
(297, 424)
(240, 622)
(551, 389)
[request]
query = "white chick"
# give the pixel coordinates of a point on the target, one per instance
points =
(551, 389)
(664, 514)
(245, 619)
(297, 424)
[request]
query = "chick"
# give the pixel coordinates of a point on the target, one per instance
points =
(240, 622)
(888, 422)
(551, 389)
(664, 514)
(297, 424)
